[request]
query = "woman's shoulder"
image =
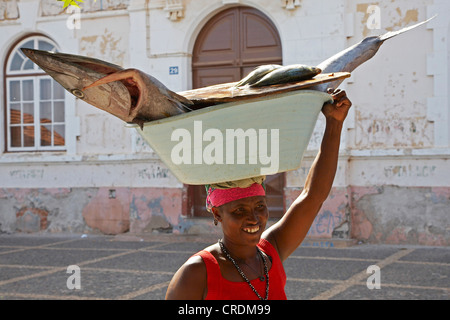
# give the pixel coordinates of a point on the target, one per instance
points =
(190, 280)
(196, 263)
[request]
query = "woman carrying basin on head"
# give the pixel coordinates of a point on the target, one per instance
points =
(247, 262)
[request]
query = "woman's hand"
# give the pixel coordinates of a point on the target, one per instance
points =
(338, 110)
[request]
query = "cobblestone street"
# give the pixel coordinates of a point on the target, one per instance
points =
(128, 267)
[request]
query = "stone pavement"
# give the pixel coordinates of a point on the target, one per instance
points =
(35, 266)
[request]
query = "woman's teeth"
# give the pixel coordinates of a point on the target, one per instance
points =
(251, 229)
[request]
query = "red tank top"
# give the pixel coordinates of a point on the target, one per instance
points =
(220, 288)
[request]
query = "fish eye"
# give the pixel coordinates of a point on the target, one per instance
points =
(77, 93)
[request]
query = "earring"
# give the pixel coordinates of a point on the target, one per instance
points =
(215, 221)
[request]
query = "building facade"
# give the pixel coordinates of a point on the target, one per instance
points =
(67, 167)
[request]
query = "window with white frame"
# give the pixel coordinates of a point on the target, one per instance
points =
(35, 103)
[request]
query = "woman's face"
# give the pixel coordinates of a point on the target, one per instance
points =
(244, 221)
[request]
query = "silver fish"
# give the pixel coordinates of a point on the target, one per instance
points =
(286, 74)
(352, 57)
(257, 74)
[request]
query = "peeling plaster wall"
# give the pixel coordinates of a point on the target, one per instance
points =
(26, 209)
(333, 220)
(400, 215)
(373, 211)
(83, 210)
(390, 91)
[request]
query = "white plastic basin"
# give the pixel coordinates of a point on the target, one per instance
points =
(237, 140)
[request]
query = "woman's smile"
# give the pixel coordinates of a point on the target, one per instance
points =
(252, 230)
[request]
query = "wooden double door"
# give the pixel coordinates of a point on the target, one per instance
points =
(230, 46)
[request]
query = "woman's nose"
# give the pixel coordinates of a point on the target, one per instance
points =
(252, 216)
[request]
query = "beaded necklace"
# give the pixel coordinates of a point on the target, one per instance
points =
(266, 272)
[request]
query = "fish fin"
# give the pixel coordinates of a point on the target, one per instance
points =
(391, 34)
(244, 81)
(240, 84)
(180, 105)
(139, 122)
(183, 107)
(180, 98)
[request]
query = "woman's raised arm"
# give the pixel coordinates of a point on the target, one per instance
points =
(288, 233)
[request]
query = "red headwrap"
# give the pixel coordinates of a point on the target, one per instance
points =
(218, 197)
